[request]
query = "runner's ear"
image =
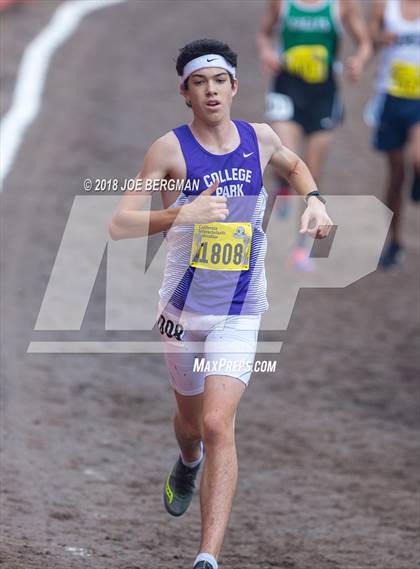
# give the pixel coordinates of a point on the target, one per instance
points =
(235, 87)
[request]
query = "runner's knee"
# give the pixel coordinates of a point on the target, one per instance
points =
(217, 428)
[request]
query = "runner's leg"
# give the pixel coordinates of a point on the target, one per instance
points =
(290, 134)
(394, 190)
(318, 145)
(414, 137)
(187, 425)
(218, 484)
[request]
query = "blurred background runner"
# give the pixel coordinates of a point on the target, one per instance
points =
(395, 114)
(298, 44)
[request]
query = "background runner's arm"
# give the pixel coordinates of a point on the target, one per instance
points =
(270, 59)
(379, 37)
(354, 23)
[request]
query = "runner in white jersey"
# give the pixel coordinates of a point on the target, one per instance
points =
(213, 291)
(395, 30)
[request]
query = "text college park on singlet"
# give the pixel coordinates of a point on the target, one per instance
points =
(232, 175)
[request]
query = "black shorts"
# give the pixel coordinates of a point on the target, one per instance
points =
(314, 106)
(394, 119)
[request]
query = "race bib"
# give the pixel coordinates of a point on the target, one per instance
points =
(221, 246)
(405, 80)
(309, 62)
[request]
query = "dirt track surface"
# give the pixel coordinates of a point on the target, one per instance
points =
(328, 446)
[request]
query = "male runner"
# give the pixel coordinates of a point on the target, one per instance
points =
(213, 292)
(304, 103)
(395, 29)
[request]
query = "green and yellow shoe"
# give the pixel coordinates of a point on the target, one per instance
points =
(179, 488)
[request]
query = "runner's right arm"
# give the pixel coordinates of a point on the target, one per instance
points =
(270, 59)
(315, 220)
(131, 219)
(379, 37)
(355, 24)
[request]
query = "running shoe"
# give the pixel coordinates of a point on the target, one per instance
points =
(392, 256)
(203, 565)
(179, 488)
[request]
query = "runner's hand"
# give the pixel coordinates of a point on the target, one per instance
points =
(385, 39)
(315, 221)
(354, 67)
(205, 208)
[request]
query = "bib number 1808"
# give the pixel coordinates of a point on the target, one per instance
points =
(225, 254)
(221, 246)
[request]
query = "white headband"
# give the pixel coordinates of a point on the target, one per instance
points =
(210, 60)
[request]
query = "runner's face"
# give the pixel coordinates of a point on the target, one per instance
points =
(210, 92)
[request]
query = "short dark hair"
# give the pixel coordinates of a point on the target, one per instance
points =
(201, 47)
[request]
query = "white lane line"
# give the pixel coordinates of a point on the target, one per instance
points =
(27, 96)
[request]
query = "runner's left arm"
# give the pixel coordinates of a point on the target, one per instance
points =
(354, 23)
(315, 221)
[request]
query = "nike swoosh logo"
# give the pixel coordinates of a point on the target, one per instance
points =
(247, 155)
(214, 59)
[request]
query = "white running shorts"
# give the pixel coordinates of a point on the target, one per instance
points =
(198, 345)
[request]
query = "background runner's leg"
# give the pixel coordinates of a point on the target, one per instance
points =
(290, 134)
(220, 474)
(394, 190)
(414, 137)
(318, 145)
(392, 254)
